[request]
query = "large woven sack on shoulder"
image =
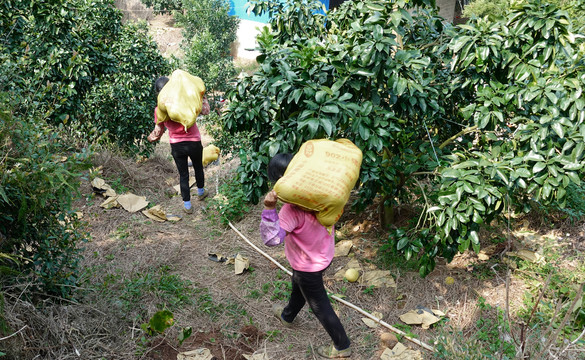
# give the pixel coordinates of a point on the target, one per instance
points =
(320, 178)
(181, 99)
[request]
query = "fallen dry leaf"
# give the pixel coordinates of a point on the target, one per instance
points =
(343, 248)
(483, 256)
(371, 323)
(377, 278)
(401, 352)
(527, 255)
(132, 203)
(419, 317)
(110, 203)
(258, 355)
(197, 354)
(155, 213)
(98, 183)
(178, 187)
(100, 187)
(241, 263)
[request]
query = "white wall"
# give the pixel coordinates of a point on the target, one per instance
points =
(246, 33)
(446, 9)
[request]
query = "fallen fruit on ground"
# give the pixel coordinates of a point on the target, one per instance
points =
(352, 275)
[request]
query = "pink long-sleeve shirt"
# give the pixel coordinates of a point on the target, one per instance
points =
(177, 131)
(308, 245)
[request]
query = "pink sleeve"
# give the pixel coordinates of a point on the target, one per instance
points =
(289, 217)
(270, 231)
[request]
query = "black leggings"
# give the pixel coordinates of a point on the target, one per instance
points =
(308, 287)
(181, 151)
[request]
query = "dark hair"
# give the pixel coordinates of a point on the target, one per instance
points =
(277, 166)
(160, 83)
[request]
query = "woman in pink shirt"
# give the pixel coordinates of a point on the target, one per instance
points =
(309, 248)
(185, 144)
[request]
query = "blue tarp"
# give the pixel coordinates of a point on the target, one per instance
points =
(239, 9)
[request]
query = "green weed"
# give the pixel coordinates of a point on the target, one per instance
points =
(118, 185)
(278, 290)
(369, 290)
(407, 329)
(229, 204)
(207, 305)
(255, 294)
(550, 304)
(132, 294)
(490, 340)
(122, 232)
(273, 335)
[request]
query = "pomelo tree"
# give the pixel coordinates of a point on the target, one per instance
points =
(463, 121)
(70, 74)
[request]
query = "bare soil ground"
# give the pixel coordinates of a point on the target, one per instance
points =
(240, 320)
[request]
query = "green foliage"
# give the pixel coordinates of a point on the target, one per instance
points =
(562, 287)
(277, 289)
(74, 63)
(229, 203)
(185, 333)
(273, 335)
(4, 328)
(491, 336)
(525, 100)
(159, 322)
(214, 308)
(39, 233)
(475, 119)
(161, 6)
(121, 104)
(481, 8)
(209, 33)
(228, 145)
(574, 209)
(288, 20)
(170, 290)
(369, 290)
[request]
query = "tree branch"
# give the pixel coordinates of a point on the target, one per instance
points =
(462, 132)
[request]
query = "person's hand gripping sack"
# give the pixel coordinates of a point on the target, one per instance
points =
(270, 200)
(205, 108)
(156, 134)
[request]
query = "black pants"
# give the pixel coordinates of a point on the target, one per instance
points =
(181, 151)
(308, 287)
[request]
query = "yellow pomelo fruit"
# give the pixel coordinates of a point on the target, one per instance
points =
(352, 275)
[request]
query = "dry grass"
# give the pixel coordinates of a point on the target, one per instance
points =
(124, 245)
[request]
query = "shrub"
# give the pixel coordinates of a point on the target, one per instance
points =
(479, 118)
(67, 59)
(209, 32)
(38, 230)
(229, 203)
(481, 8)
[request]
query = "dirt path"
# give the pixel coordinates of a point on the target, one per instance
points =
(167, 36)
(231, 313)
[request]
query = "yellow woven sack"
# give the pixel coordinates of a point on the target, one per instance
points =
(210, 154)
(320, 177)
(181, 99)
